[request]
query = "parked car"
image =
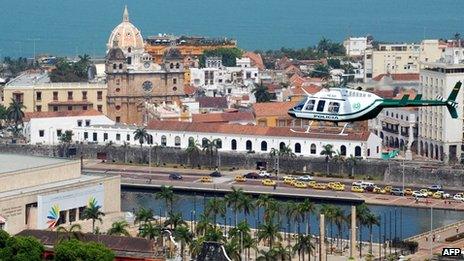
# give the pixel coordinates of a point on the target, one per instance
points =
(240, 179)
(441, 194)
(459, 196)
(305, 178)
(396, 192)
(369, 188)
(252, 175)
(435, 188)
(419, 194)
(175, 176)
(215, 174)
(268, 182)
(408, 191)
(264, 174)
(357, 189)
(206, 179)
(363, 184)
(300, 184)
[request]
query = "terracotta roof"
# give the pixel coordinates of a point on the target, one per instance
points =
(53, 114)
(279, 109)
(272, 87)
(224, 117)
(256, 59)
(311, 89)
(398, 76)
(249, 130)
(189, 89)
(213, 102)
(132, 245)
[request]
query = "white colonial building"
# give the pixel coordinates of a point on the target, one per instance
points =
(47, 127)
(356, 46)
(234, 138)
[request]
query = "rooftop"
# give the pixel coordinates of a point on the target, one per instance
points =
(54, 114)
(213, 102)
(30, 78)
(16, 162)
(398, 76)
(267, 109)
(224, 117)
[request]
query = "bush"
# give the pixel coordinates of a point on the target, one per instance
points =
(77, 250)
(21, 248)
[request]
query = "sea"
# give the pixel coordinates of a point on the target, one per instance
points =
(70, 27)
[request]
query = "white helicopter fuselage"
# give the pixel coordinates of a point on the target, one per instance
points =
(337, 105)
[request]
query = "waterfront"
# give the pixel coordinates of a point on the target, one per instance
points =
(70, 27)
(414, 220)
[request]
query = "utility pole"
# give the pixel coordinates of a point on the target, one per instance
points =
(34, 40)
(431, 236)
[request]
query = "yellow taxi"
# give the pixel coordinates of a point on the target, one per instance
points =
(300, 184)
(206, 179)
(240, 179)
(426, 191)
(378, 190)
(312, 183)
(340, 187)
(289, 180)
(387, 189)
(320, 186)
(357, 189)
(268, 182)
(408, 191)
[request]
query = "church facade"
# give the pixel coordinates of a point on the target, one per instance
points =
(134, 79)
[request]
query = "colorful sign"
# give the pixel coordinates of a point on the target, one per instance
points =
(53, 216)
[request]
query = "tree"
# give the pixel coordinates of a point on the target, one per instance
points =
(329, 213)
(215, 207)
(303, 245)
(269, 205)
(203, 224)
(119, 228)
(307, 207)
(269, 231)
(328, 152)
(166, 193)
(228, 55)
(196, 246)
(261, 93)
(66, 137)
(174, 220)
(334, 63)
(328, 48)
(15, 112)
(286, 151)
(21, 248)
(143, 215)
(352, 162)
(371, 220)
(233, 200)
(339, 219)
(295, 213)
(84, 251)
(320, 71)
(3, 115)
(141, 135)
(362, 213)
(69, 71)
(211, 147)
(338, 158)
(241, 233)
(93, 212)
(193, 150)
(214, 234)
(150, 231)
(73, 232)
(184, 236)
(232, 248)
(269, 255)
(246, 204)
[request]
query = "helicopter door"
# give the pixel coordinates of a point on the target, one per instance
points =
(334, 107)
(320, 105)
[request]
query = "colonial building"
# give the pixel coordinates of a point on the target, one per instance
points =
(134, 79)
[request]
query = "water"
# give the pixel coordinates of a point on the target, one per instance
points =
(70, 27)
(409, 221)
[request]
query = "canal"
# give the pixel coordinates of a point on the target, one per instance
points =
(400, 222)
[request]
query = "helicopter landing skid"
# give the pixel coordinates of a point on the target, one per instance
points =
(308, 130)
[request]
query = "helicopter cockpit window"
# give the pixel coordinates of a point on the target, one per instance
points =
(333, 107)
(300, 105)
(310, 105)
(320, 105)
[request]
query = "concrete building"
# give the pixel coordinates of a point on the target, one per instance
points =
(47, 127)
(236, 138)
(356, 46)
(38, 93)
(50, 192)
(440, 136)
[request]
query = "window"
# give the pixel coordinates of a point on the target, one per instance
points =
(163, 140)
(58, 133)
(233, 145)
(343, 150)
(79, 123)
(69, 108)
(118, 136)
(114, 66)
(87, 123)
(310, 105)
(334, 107)
(174, 81)
(38, 108)
(171, 66)
(204, 142)
(177, 141)
(38, 96)
(99, 95)
(95, 136)
(70, 96)
(105, 136)
(282, 146)
(263, 146)
(118, 119)
(249, 145)
(99, 108)
(55, 96)
(128, 137)
(368, 152)
(41, 133)
(177, 65)
(55, 108)
(86, 135)
(357, 151)
(320, 105)
(297, 148)
(313, 148)
(84, 107)
(84, 95)
(120, 66)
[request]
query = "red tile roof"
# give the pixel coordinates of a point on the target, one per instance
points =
(224, 117)
(398, 76)
(250, 130)
(213, 102)
(256, 59)
(384, 93)
(311, 89)
(269, 109)
(190, 90)
(53, 114)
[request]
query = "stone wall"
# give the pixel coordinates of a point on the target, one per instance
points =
(376, 169)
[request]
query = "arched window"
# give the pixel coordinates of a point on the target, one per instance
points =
(204, 142)
(343, 150)
(163, 140)
(218, 143)
(129, 50)
(150, 139)
(249, 145)
(177, 65)
(171, 66)
(281, 146)
(191, 141)
(313, 148)
(263, 146)
(177, 141)
(233, 145)
(120, 66)
(297, 148)
(114, 66)
(357, 151)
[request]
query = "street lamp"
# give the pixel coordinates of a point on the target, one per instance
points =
(431, 228)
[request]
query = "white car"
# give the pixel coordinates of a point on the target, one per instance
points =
(305, 178)
(419, 194)
(264, 174)
(363, 184)
(459, 197)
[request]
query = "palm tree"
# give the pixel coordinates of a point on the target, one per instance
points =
(241, 233)
(143, 215)
(119, 228)
(184, 236)
(371, 220)
(362, 213)
(352, 161)
(338, 158)
(246, 204)
(211, 147)
(203, 224)
(308, 208)
(3, 115)
(339, 219)
(15, 112)
(269, 205)
(215, 207)
(269, 231)
(284, 253)
(214, 234)
(150, 231)
(174, 220)
(192, 150)
(303, 245)
(166, 193)
(93, 212)
(141, 135)
(233, 200)
(73, 232)
(286, 151)
(269, 255)
(261, 93)
(196, 246)
(328, 152)
(125, 146)
(295, 213)
(232, 248)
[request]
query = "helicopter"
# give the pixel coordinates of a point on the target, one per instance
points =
(349, 105)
